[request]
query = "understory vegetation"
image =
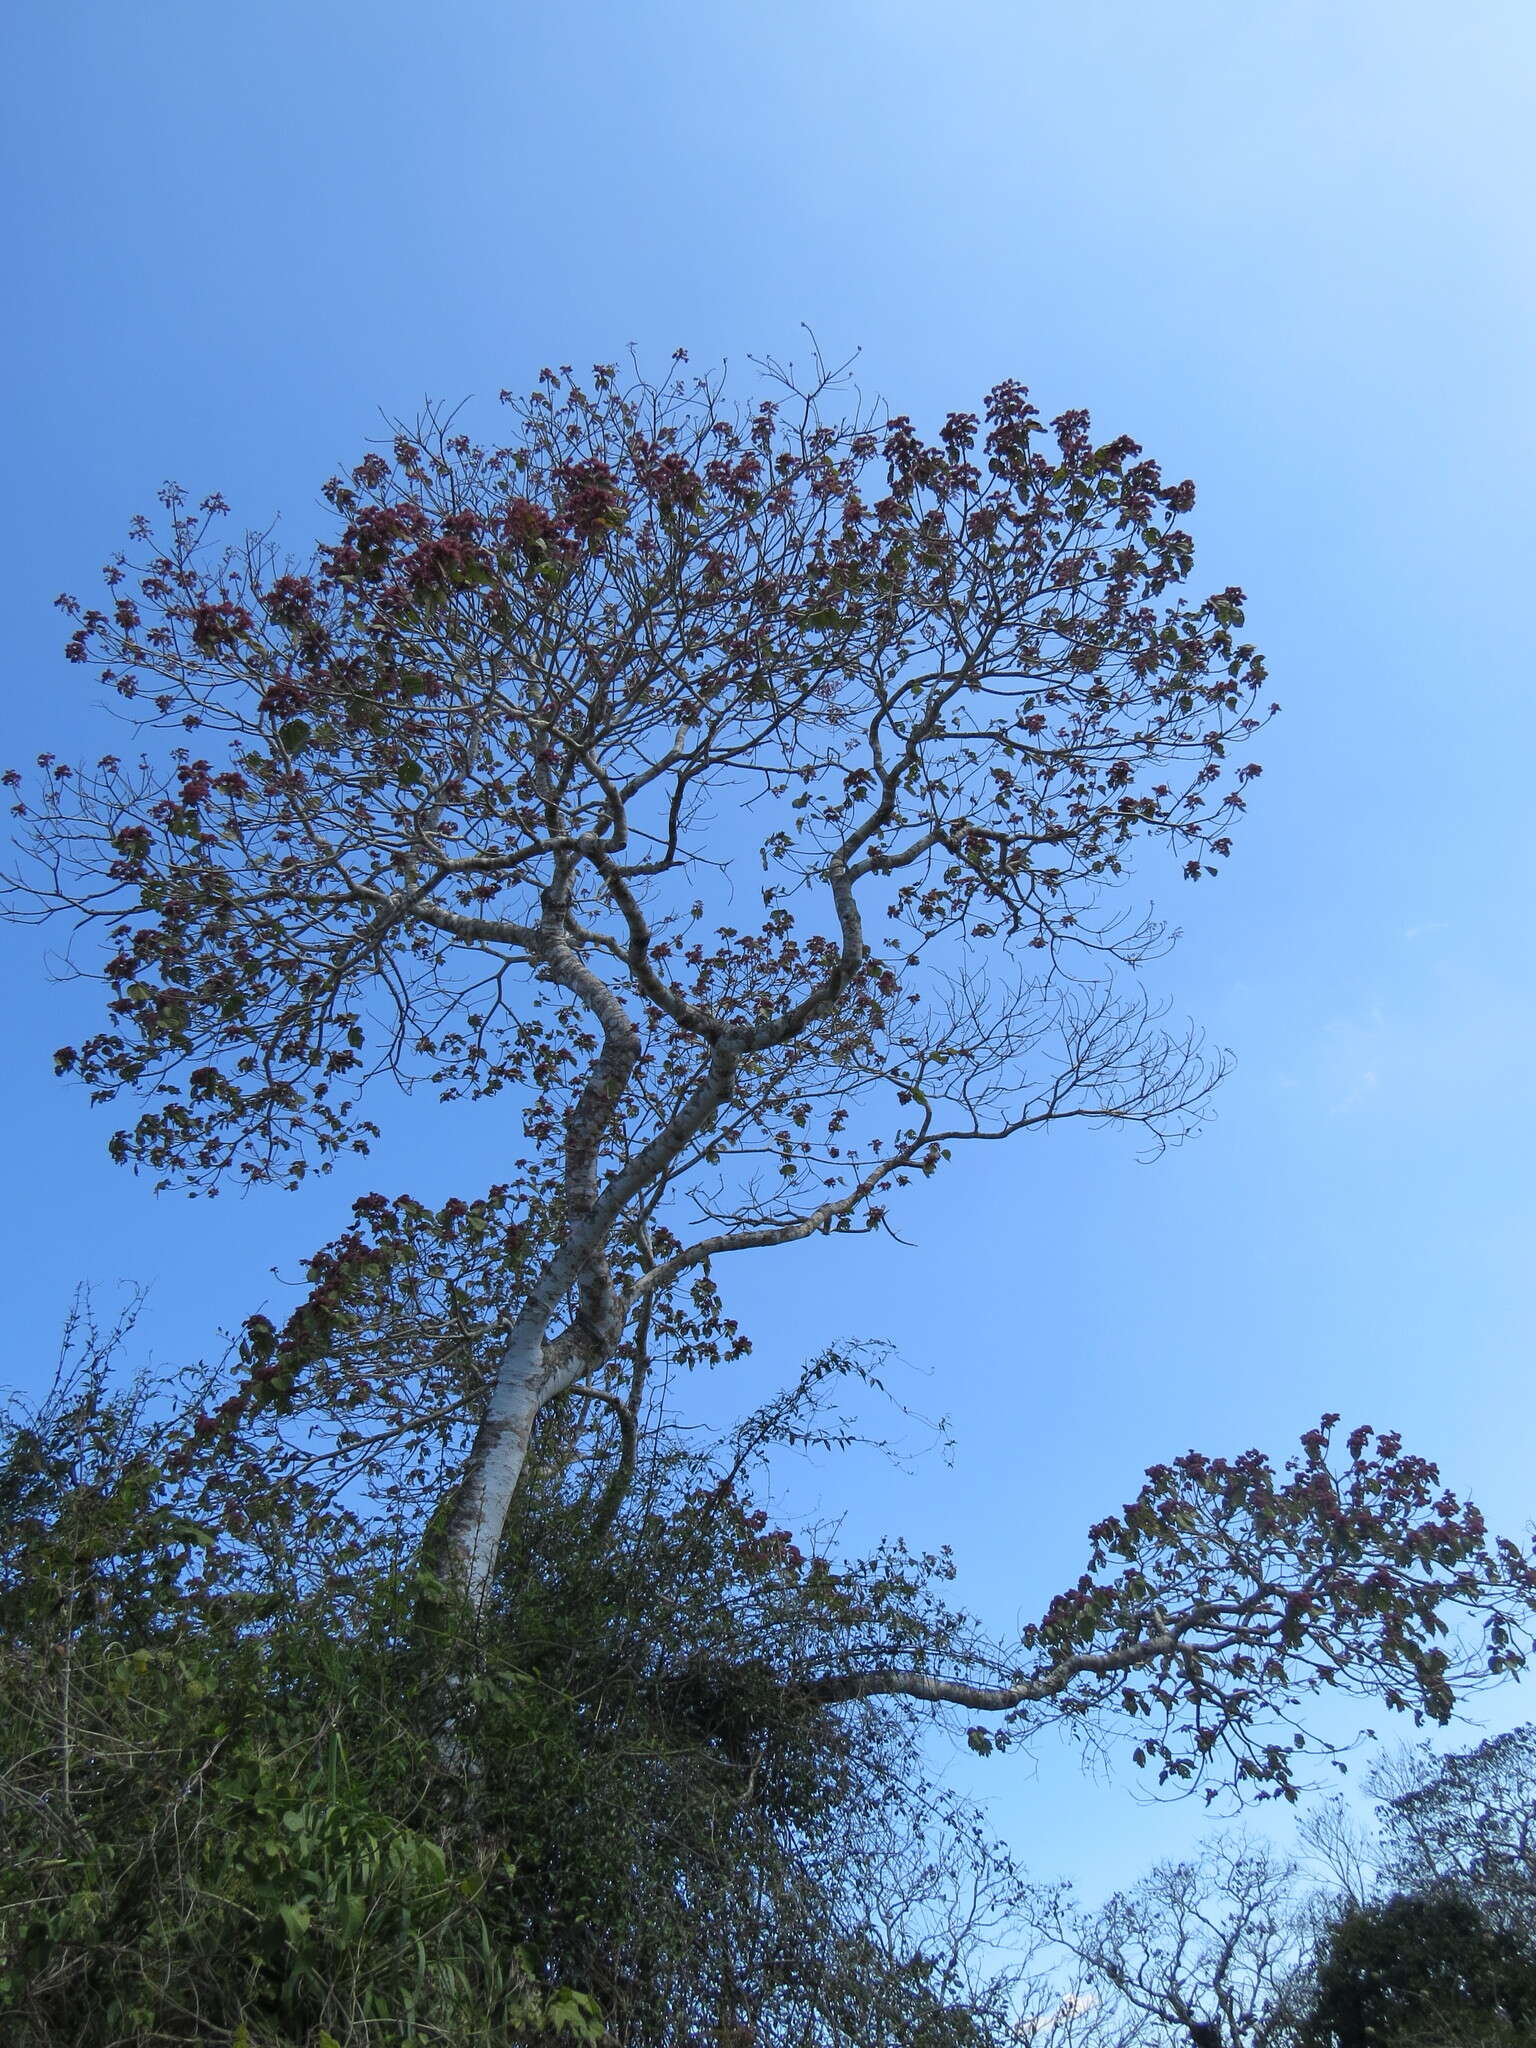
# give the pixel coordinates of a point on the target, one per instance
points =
(263, 1784)
(255, 1790)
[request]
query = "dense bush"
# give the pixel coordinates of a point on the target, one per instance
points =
(267, 1781)
(258, 1788)
(1421, 1970)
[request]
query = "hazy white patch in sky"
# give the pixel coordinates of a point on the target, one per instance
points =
(1363, 1087)
(1422, 931)
(1071, 2007)
(1358, 1049)
(1452, 1046)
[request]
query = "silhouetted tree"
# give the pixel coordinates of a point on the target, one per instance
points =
(1205, 1951)
(1421, 1970)
(1467, 1819)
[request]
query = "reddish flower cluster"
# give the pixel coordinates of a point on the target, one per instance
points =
(592, 504)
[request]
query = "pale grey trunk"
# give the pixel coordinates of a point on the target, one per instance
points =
(494, 1467)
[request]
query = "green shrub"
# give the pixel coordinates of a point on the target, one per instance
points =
(259, 1789)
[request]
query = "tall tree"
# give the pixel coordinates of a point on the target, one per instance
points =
(747, 789)
(746, 792)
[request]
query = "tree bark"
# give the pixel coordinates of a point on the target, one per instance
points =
(472, 1538)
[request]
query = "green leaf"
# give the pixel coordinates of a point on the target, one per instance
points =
(574, 2012)
(294, 736)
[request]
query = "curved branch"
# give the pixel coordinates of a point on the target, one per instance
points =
(839, 1688)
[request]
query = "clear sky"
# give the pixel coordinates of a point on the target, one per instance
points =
(1288, 246)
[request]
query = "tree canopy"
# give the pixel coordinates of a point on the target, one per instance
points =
(743, 787)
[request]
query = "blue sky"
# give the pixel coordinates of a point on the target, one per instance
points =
(1289, 247)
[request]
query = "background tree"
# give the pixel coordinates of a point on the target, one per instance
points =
(227, 1805)
(1469, 1820)
(1421, 1970)
(1442, 1947)
(1414, 1935)
(745, 789)
(1204, 1953)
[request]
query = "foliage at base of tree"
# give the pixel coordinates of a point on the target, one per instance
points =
(255, 1792)
(269, 1782)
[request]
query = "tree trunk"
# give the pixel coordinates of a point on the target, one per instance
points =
(472, 1537)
